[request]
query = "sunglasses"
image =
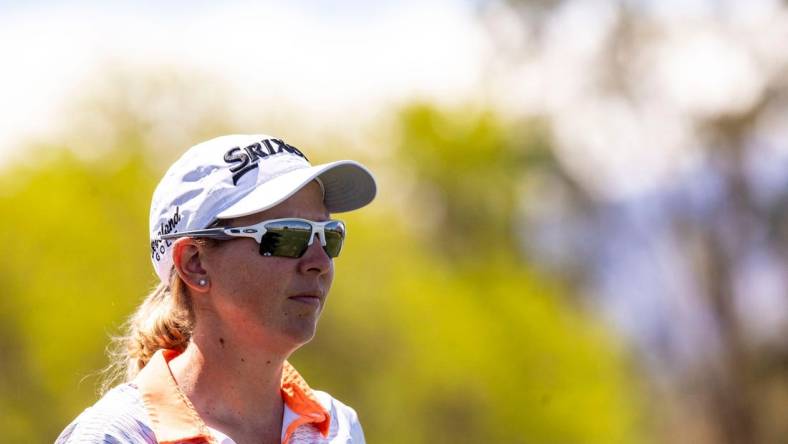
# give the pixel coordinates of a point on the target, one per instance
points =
(279, 237)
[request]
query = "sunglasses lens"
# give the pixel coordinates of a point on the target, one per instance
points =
(288, 238)
(335, 235)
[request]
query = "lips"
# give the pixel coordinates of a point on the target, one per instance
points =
(310, 299)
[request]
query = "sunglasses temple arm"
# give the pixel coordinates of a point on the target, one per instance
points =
(211, 233)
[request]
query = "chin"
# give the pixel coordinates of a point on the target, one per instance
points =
(301, 332)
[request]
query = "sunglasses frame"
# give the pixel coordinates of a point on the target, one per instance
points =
(258, 230)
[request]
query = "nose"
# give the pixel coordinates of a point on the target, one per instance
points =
(315, 259)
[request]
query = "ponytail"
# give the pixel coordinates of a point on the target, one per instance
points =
(164, 320)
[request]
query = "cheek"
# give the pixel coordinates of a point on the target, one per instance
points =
(329, 277)
(260, 278)
(268, 277)
(237, 273)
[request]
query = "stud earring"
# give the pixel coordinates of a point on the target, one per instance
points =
(202, 282)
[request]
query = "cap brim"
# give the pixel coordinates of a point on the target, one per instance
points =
(348, 186)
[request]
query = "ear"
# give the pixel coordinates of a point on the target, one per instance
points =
(187, 257)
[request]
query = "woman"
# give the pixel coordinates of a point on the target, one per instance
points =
(243, 245)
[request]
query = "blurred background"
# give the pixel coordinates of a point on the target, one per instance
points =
(580, 236)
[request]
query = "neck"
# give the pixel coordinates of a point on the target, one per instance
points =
(234, 388)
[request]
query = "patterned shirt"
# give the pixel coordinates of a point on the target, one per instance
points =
(152, 409)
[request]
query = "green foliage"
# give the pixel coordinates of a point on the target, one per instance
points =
(438, 332)
(74, 238)
(469, 165)
(470, 346)
(429, 353)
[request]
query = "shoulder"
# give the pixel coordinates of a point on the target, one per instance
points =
(118, 417)
(344, 419)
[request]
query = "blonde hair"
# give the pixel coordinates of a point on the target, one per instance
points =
(164, 320)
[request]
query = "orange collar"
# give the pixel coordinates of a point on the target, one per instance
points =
(174, 419)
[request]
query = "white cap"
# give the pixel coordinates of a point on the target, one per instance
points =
(237, 175)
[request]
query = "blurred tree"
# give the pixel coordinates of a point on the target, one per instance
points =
(468, 168)
(468, 344)
(728, 217)
(68, 231)
(436, 330)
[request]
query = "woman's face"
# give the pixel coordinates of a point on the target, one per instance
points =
(275, 300)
